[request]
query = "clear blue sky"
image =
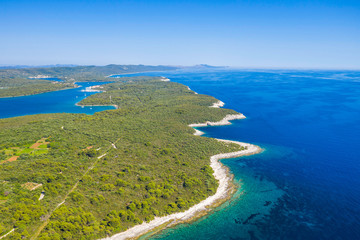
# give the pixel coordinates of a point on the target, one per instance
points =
(252, 33)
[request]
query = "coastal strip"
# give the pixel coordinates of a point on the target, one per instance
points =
(223, 192)
(192, 90)
(75, 86)
(225, 121)
(114, 105)
(218, 104)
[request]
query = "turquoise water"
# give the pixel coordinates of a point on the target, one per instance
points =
(51, 102)
(306, 185)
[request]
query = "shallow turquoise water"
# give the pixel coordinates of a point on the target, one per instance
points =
(309, 175)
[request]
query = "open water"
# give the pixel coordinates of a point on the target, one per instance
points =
(306, 185)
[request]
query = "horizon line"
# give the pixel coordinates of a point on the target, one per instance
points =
(20, 66)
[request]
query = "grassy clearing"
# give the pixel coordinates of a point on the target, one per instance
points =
(31, 186)
(42, 146)
(26, 150)
(39, 151)
(11, 154)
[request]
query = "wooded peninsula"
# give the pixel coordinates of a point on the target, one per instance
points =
(78, 176)
(28, 81)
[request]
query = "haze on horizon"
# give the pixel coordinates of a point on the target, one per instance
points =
(322, 34)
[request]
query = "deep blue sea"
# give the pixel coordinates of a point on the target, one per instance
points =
(305, 185)
(51, 102)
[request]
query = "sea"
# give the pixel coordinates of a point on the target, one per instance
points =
(306, 182)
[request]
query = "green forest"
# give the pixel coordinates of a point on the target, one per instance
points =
(80, 73)
(100, 174)
(28, 81)
(21, 87)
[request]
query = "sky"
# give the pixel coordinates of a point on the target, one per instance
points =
(320, 34)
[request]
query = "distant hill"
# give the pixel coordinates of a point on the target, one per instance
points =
(41, 66)
(23, 81)
(204, 66)
(87, 73)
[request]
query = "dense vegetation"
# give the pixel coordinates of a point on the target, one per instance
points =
(16, 82)
(80, 73)
(20, 87)
(110, 170)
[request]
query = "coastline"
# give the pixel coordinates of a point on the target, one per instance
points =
(109, 76)
(114, 105)
(223, 192)
(99, 91)
(41, 92)
(192, 90)
(225, 121)
(218, 104)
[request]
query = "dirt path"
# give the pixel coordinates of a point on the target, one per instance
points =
(47, 218)
(3, 236)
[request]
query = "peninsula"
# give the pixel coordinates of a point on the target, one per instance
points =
(28, 81)
(126, 171)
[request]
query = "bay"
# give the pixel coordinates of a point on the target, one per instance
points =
(63, 101)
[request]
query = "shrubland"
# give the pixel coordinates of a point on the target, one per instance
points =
(111, 170)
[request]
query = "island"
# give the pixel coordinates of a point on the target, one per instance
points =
(119, 173)
(16, 82)
(23, 87)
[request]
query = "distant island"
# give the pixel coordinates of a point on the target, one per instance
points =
(15, 81)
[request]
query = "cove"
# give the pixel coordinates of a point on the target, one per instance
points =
(63, 101)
